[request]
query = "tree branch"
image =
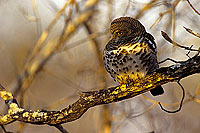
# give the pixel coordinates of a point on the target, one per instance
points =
(93, 98)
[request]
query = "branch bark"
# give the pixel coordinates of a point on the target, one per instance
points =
(93, 98)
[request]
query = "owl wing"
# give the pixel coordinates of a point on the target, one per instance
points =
(151, 43)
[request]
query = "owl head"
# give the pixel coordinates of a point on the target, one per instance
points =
(126, 27)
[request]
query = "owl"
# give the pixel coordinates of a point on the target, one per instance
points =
(130, 53)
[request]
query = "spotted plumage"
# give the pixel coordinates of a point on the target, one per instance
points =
(131, 52)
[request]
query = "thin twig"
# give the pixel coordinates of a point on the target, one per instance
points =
(173, 15)
(61, 128)
(36, 14)
(160, 17)
(189, 52)
(193, 7)
(181, 103)
(82, 41)
(126, 9)
(5, 129)
(169, 59)
(175, 43)
(192, 32)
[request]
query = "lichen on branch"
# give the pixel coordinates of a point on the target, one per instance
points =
(93, 98)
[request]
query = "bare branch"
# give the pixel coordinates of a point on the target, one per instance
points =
(93, 98)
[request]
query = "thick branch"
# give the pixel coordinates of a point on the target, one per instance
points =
(104, 96)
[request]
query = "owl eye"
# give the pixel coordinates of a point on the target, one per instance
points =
(118, 33)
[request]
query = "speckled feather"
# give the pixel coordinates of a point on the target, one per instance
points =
(131, 52)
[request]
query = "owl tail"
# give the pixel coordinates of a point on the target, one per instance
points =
(157, 91)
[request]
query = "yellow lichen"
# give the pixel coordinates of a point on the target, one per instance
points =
(66, 113)
(35, 114)
(60, 116)
(45, 116)
(26, 114)
(13, 108)
(109, 99)
(6, 95)
(4, 119)
(115, 92)
(90, 98)
(16, 117)
(70, 111)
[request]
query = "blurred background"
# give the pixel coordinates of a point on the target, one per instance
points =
(76, 64)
